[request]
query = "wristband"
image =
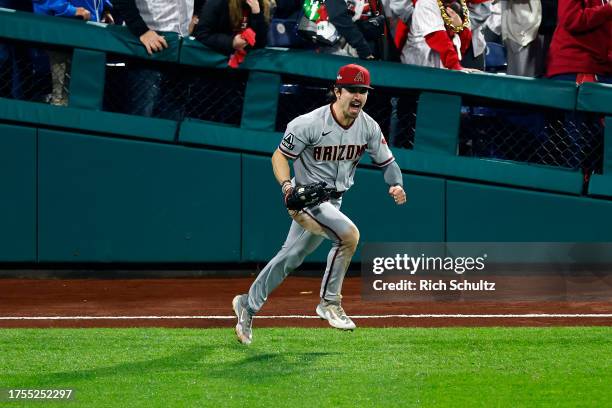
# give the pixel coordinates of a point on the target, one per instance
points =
(286, 186)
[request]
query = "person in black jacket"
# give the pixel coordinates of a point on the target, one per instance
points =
(341, 18)
(222, 21)
(197, 7)
(547, 29)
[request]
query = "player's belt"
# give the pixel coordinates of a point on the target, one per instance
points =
(336, 194)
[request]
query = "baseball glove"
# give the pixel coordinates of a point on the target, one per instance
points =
(306, 196)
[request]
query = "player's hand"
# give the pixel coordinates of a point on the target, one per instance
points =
(254, 5)
(83, 13)
(287, 189)
(239, 43)
(398, 194)
(153, 42)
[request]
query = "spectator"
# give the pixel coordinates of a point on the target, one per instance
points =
(195, 18)
(439, 35)
(398, 10)
(146, 19)
(60, 8)
(354, 28)
(492, 30)
(480, 12)
(547, 27)
(356, 40)
(88, 10)
(399, 15)
(100, 10)
(525, 46)
(60, 60)
(223, 21)
(582, 43)
(581, 51)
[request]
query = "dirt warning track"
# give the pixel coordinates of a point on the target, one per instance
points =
(206, 302)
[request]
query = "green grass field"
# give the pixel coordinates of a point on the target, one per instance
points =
(313, 367)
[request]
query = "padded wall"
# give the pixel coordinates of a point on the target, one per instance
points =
(17, 194)
(485, 213)
(110, 200)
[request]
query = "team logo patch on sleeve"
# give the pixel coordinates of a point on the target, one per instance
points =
(288, 141)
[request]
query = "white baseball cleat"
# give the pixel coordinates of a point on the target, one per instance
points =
(245, 320)
(335, 315)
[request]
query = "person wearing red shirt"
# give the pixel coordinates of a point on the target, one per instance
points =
(582, 43)
(434, 41)
(581, 52)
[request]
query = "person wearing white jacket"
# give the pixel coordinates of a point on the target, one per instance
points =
(525, 48)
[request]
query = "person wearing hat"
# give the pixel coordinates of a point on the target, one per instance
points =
(325, 145)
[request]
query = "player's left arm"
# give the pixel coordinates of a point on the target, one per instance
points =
(381, 156)
(393, 177)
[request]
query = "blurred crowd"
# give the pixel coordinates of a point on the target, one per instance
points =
(559, 39)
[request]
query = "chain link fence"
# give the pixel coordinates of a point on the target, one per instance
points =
(572, 140)
(172, 91)
(34, 73)
(489, 129)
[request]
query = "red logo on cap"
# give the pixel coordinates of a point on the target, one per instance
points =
(353, 74)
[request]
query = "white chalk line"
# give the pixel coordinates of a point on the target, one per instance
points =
(391, 316)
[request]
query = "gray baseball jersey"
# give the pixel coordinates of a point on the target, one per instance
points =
(324, 150)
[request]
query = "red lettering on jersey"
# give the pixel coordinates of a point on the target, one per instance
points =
(361, 150)
(335, 153)
(341, 150)
(317, 153)
(350, 153)
(327, 153)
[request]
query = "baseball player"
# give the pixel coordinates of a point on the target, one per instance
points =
(325, 145)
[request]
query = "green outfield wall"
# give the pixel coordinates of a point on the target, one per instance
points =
(79, 184)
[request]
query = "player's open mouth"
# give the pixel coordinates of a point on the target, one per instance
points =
(355, 105)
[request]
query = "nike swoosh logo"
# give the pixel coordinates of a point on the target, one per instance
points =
(326, 133)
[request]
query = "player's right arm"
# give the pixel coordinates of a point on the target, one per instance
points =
(291, 146)
(280, 166)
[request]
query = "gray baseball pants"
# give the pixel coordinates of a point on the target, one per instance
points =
(308, 229)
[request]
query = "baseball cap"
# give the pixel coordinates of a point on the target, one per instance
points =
(353, 75)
